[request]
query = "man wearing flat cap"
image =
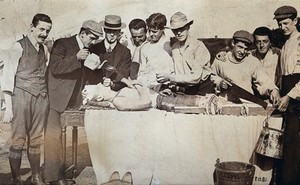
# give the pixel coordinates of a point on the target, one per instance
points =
(65, 83)
(286, 17)
(191, 58)
(241, 68)
(118, 57)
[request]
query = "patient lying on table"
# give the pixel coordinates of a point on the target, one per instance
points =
(126, 99)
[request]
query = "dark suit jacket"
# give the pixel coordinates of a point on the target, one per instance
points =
(120, 58)
(63, 72)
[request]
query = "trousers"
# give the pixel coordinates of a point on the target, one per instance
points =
(54, 166)
(291, 148)
(30, 114)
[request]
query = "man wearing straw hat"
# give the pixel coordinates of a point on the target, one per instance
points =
(190, 56)
(118, 57)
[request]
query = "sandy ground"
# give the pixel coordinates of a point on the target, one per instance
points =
(85, 172)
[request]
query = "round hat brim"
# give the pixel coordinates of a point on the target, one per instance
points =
(102, 24)
(180, 26)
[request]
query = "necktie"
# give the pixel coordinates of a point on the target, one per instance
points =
(41, 50)
(109, 50)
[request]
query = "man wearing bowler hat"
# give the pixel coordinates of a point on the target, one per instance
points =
(117, 56)
(286, 17)
(190, 56)
(65, 83)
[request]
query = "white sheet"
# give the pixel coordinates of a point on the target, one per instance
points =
(174, 148)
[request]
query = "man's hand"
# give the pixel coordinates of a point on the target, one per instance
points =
(8, 116)
(82, 54)
(128, 82)
(162, 77)
(221, 56)
(166, 92)
(282, 104)
(107, 82)
(136, 82)
(225, 84)
(275, 96)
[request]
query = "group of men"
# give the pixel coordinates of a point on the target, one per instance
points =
(36, 94)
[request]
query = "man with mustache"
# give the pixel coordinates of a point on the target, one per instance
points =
(241, 68)
(26, 97)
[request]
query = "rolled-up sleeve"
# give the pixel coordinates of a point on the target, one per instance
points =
(295, 92)
(10, 68)
(267, 84)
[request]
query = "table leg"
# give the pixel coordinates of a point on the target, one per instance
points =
(74, 149)
(64, 145)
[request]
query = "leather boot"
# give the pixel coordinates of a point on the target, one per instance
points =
(15, 165)
(34, 160)
(18, 181)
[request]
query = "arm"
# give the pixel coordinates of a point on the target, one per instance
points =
(62, 59)
(124, 103)
(284, 101)
(8, 81)
(215, 77)
(268, 86)
(124, 65)
(8, 114)
(295, 92)
(193, 78)
(199, 65)
(202, 56)
(263, 79)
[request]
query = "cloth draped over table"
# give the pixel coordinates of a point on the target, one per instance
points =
(173, 148)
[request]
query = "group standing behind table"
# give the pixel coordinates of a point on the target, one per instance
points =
(190, 66)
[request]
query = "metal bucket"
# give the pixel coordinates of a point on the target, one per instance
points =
(234, 173)
(270, 142)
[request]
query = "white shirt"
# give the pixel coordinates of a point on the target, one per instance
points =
(155, 58)
(80, 45)
(107, 45)
(290, 61)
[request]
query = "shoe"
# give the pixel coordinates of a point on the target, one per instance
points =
(36, 180)
(127, 178)
(114, 176)
(18, 181)
(59, 182)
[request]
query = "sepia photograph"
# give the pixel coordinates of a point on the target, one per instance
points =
(160, 92)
